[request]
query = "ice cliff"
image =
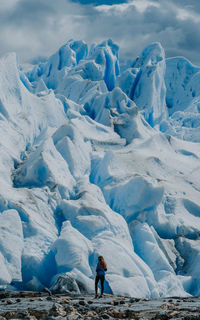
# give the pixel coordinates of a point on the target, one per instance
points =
(98, 161)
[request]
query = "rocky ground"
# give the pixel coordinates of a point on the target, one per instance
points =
(34, 305)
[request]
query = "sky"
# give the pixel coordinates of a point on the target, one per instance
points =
(34, 28)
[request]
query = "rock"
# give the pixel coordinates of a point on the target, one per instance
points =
(23, 315)
(91, 314)
(58, 310)
(82, 303)
(9, 315)
(162, 317)
(117, 314)
(65, 284)
(48, 291)
(74, 316)
(65, 301)
(9, 301)
(39, 314)
(173, 314)
(65, 306)
(70, 309)
(105, 316)
(29, 294)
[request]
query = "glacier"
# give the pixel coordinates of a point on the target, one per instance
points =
(98, 161)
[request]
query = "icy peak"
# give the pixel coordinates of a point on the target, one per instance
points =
(150, 56)
(106, 55)
(73, 58)
(144, 83)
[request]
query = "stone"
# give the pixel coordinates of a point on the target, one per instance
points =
(74, 316)
(58, 310)
(82, 303)
(9, 301)
(9, 315)
(117, 314)
(65, 284)
(65, 306)
(48, 291)
(39, 314)
(105, 316)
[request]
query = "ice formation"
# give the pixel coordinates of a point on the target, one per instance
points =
(94, 161)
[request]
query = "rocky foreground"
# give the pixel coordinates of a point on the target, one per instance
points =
(34, 305)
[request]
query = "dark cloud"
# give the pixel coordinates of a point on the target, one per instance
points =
(39, 27)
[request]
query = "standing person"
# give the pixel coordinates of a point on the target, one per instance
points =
(100, 270)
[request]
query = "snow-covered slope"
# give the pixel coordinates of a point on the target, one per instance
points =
(94, 161)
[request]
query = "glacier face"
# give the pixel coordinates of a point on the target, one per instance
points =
(98, 161)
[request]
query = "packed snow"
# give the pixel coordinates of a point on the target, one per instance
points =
(95, 161)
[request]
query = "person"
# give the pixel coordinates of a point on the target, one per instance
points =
(100, 275)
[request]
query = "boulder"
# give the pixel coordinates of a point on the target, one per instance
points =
(65, 284)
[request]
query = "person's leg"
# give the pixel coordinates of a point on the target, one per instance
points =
(96, 285)
(102, 284)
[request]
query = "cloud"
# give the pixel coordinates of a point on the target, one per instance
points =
(36, 27)
(100, 2)
(172, 24)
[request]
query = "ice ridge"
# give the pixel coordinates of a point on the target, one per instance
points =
(97, 161)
